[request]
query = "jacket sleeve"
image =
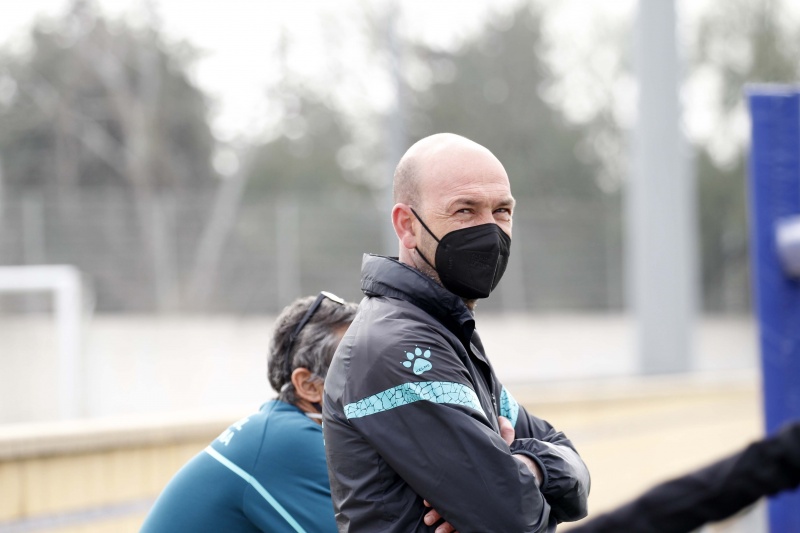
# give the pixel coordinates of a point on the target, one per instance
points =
(712, 493)
(429, 427)
(566, 480)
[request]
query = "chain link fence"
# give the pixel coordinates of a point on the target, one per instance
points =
(167, 256)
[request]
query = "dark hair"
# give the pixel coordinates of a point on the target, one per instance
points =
(314, 346)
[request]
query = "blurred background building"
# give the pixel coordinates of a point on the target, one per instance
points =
(202, 166)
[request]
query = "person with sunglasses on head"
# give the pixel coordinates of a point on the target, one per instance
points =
(267, 472)
(414, 415)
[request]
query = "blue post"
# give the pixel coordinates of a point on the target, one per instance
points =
(774, 194)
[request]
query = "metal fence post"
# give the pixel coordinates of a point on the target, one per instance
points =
(774, 196)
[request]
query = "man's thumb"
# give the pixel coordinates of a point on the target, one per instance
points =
(506, 429)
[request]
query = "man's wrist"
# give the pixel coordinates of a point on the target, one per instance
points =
(532, 466)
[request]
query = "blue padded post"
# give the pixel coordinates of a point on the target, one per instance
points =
(774, 196)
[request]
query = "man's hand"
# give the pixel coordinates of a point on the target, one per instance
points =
(508, 433)
(506, 429)
(433, 516)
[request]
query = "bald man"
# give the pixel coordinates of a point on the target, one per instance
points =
(414, 415)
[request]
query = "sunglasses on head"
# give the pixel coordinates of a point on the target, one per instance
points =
(302, 323)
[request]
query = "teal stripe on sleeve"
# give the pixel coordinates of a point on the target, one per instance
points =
(256, 485)
(429, 391)
(509, 407)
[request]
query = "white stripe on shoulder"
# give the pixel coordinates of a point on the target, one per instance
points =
(253, 482)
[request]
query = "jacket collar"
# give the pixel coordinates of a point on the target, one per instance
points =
(387, 276)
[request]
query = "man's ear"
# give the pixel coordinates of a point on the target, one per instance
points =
(306, 385)
(403, 222)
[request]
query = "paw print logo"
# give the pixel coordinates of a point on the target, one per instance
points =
(420, 365)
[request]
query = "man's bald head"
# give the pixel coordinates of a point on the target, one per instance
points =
(405, 185)
(451, 183)
(418, 161)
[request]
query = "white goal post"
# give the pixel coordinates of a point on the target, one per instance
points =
(65, 283)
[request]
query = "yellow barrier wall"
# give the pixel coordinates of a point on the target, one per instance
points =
(94, 476)
(101, 476)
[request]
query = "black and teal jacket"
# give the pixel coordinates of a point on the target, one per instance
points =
(410, 414)
(266, 472)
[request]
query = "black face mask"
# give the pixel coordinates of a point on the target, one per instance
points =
(470, 261)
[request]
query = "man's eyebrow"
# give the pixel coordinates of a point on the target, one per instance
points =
(468, 201)
(472, 202)
(508, 202)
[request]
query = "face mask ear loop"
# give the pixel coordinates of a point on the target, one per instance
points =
(423, 224)
(431, 234)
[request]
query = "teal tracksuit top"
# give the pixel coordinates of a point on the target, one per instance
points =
(266, 472)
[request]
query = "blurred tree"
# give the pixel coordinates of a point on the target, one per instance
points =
(306, 157)
(301, 161)
(738, 42)
(100, 103)
(491, 91)
(95, 104)
(488, 89)
(730, 45)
